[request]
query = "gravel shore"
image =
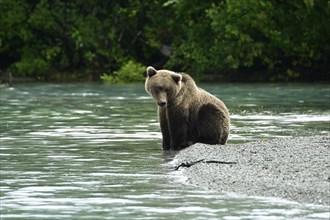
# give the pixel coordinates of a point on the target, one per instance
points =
(296, 169)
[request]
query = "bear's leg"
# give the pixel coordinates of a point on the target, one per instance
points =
(166, 136)
(164, 129)
(178, 138)
(178, 130)
(211, 125)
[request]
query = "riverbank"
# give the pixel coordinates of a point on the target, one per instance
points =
(297, 169)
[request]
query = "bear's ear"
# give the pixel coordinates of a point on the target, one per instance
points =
(151, 71)
(176, 77)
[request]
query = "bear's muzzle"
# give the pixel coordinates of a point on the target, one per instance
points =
(161, 103)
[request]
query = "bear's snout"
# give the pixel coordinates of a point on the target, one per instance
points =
(161, 103)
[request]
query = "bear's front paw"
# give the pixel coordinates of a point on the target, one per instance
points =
(177, 147)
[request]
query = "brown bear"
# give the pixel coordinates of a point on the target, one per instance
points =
(187, 113)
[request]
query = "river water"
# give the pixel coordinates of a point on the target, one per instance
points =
(90, 151)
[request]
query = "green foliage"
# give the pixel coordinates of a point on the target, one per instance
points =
(283, 39)
(129, 72)
(275, 36)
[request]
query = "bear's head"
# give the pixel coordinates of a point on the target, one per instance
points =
(162, 85)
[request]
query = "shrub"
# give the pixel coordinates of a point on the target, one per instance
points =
(129, 72)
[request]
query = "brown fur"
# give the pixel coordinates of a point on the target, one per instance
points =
(187, 114)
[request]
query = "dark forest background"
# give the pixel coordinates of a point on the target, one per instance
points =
(231, 40)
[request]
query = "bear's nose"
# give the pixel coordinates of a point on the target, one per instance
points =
(161, 103)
